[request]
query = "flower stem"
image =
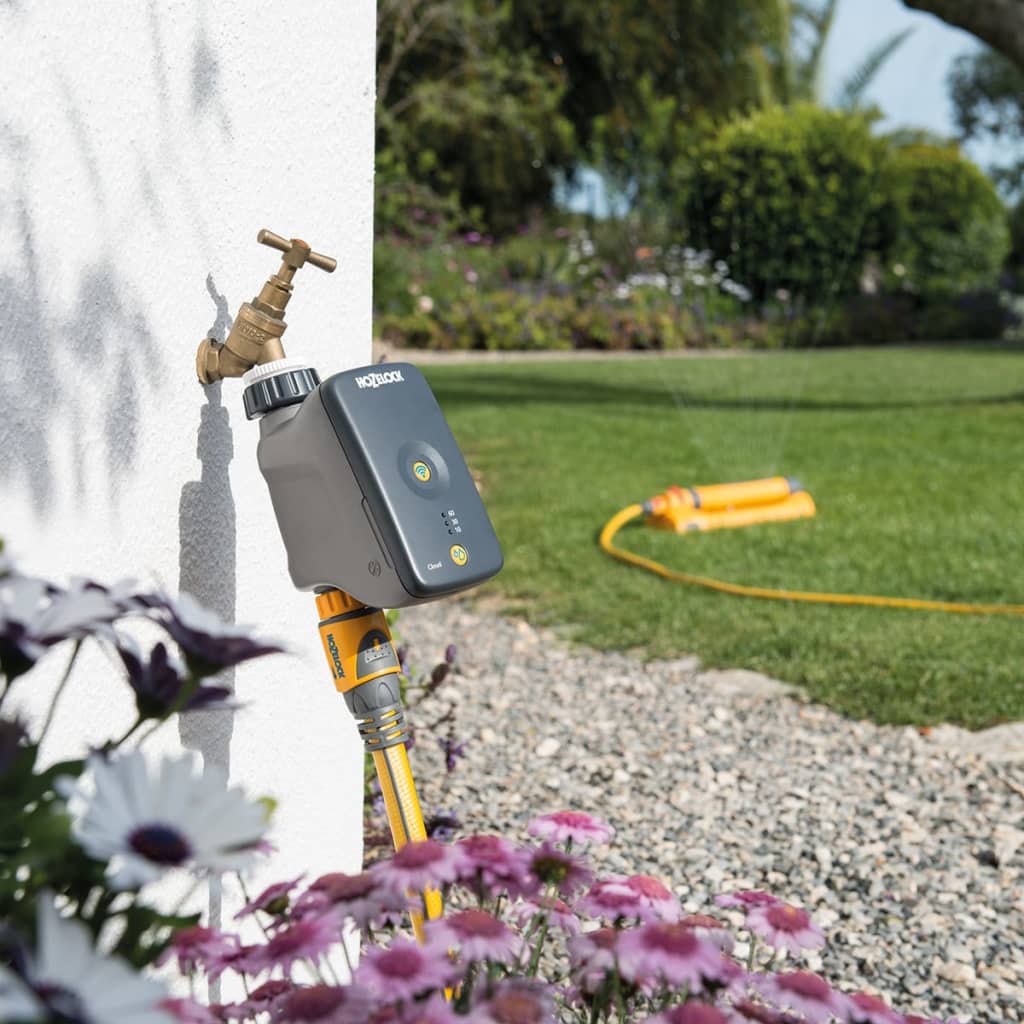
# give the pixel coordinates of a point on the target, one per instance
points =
(60, 689)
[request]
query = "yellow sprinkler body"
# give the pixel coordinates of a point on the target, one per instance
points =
(724, 506)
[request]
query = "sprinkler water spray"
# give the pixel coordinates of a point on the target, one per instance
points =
(376, 508)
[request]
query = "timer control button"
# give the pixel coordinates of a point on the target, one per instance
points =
(460, 556)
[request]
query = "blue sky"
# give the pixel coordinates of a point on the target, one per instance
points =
(911, 87)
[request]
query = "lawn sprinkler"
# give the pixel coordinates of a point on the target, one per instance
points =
(376, 508)
(727, 506)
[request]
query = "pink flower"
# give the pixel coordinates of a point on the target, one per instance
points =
(748, 1010)
(690, 1013)
(570, 826)
(273, 900)
(261, 1000)
(492, 865)
(636, 896)
(404, 969)
(359, 897)
(560, 915)
(592, 955)
(307, 938)
(746, 898)
(323, 1004)
(562, 870)
(478, 935)
(185, 1011)
(710, 928)
(806, 993)
(863, 1008)
(672, 953)
(785, 927)
(418, 866)
(198, 947)
(519, 1001)
(611, 900)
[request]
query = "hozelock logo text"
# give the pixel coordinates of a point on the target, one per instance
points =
(332, 647)
(376, 380)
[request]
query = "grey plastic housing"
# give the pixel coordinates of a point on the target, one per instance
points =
(352, 511)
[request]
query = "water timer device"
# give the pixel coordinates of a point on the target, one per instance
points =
(375, 506)
(371, 492)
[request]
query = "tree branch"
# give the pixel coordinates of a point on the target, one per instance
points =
(1000, 23)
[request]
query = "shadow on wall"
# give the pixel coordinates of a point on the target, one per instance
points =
(207, 563)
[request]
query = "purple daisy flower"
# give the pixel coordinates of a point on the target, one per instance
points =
(672, 953)
(273, 900)
(611, 900)
(307, 938)
(260, 1000)
(519, 1001)
(689, 1013)
(785, 927)
(405, 969)
(359, 897)
(418, 866)
(570, 826)
(864, 1008)
(746, 898)
(323, 1004)
(491, 866)
(198, 947)
(478, 936)
(560, 914)
(805, 992)
(552, 866)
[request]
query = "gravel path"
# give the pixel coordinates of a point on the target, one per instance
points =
(909, 856)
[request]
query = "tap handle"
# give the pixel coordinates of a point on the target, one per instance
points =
(296, 252)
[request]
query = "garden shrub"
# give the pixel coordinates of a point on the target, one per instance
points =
(790, 198)
(950, 230)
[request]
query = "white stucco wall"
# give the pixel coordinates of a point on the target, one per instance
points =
(142, 145)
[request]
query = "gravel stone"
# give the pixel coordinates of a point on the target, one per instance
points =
(907, 848)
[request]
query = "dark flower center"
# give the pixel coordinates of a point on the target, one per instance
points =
(160, 844)
(311, 1004)
(803, 983)
(418, 855)
(401, 963)
(786, 918)
(676, 939)
(516, 1008)
(477, 923)
(551, 868)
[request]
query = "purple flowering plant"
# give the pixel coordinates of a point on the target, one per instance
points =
(82, 839)
(529, 935)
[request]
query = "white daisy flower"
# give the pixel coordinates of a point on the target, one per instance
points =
(70, 980)
(146, 823)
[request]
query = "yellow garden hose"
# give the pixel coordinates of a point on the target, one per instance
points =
(365, 668)
(617, 521)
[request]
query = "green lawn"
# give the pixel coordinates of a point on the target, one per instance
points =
(913, 456)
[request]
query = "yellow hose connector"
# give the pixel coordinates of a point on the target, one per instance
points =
(365, 668)
(659, 506)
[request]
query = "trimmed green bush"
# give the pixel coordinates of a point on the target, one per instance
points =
(950, 231)
(790, 198)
